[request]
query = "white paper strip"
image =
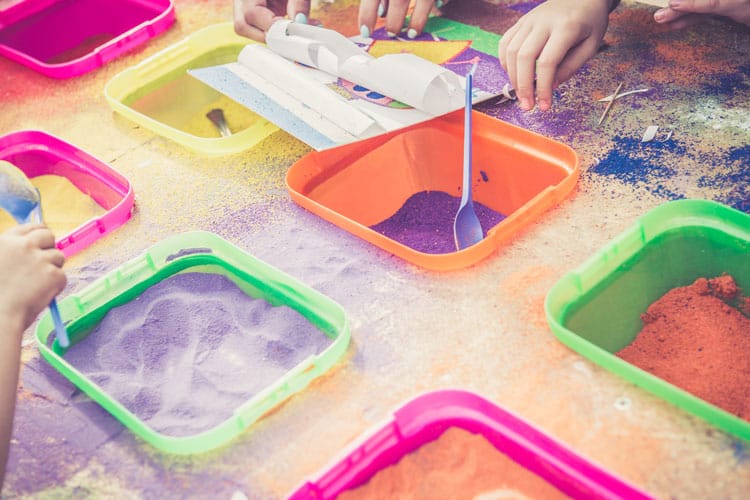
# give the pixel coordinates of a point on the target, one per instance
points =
(404, 77)
(312, 118)
(291, 78)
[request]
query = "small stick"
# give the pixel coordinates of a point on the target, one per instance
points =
(609, 104)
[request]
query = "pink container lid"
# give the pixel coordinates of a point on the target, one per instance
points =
(66, 38)
(424, 418)
(38, 153)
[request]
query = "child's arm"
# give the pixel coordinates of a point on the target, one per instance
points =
(252, 18)
(683, 13)
(30, 276)
(550, 43)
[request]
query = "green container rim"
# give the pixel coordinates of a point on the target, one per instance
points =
(168, 257)
(565, 293)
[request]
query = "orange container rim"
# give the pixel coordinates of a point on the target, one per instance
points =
(317, 169)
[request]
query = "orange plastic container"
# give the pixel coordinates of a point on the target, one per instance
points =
(517, 173)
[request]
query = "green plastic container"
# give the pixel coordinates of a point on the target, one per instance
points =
(197, 252)
(595, 310)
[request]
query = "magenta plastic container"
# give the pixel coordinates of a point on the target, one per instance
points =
(426, 417)
(38, 153)
(66, 38)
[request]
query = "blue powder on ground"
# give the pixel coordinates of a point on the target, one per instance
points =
(425, 222)
(734, 180)
(191, 349)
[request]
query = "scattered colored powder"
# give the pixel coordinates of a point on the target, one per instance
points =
(697, 338)
(238, 118)
(64, 206)
(425, 222)
(458, 464)
(436, 52)
(190, 350)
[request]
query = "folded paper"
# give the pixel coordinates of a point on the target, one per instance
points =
(328, 90)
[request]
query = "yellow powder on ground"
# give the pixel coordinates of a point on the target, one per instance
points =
(238, 118)
(64, 206)
(436, 52)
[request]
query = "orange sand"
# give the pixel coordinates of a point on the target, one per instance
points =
(695, 338)
(458, 464)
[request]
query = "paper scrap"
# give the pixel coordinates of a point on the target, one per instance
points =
(650, 133)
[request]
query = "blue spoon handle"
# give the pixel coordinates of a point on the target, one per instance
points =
(466, 193)
(60, 331)
(62, 334)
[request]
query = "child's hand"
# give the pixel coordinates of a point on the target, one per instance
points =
(550, 43)
(252, 18)
(683, 13)
(30, 274)
(395, 14)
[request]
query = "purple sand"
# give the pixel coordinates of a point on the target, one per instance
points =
(425, 222)
(191, 349)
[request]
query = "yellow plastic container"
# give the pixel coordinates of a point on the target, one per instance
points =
(159, 95)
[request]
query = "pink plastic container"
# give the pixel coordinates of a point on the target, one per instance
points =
(426, 417)
(66, 38)
(38, 153)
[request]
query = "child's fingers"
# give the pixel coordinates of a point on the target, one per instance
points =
(547, 65)
(526, 57)
(24, 229)
(419, 16)
(259, 18)
(298, 10)
(502, 46)
(54, 282)
(42, 238)
(667, 15)
(55, 257)
(719, 7)
(686, 20)
(510, 52)
(368, 14)
(383, 8)
(394, 19)
(576, 57)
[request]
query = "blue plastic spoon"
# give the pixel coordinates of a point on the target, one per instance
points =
(22, 201)
(467, 230)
